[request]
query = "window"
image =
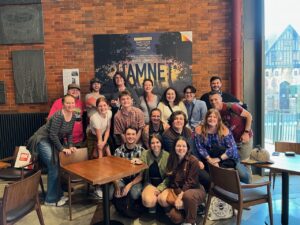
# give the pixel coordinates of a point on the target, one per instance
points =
(282, 104)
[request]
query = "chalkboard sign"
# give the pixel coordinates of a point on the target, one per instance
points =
(29, 76)
(2, 92)
(19, 2)
(21, 24)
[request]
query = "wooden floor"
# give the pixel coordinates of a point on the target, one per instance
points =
(85, 207)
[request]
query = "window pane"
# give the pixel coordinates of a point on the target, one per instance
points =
(282, 71)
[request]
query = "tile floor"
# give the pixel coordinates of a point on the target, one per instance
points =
(84, 209)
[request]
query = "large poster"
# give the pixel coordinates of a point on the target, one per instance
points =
(166, 58)
(70, 76)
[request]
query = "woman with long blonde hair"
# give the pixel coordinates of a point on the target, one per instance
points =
(215, 144)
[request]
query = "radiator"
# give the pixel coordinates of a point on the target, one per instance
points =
(15, 129)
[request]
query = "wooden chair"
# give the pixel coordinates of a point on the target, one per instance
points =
(20, 198)
(283, 147)
(10, 173)
(72, 182)
(225, 185)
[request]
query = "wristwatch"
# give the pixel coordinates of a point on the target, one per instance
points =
(246, 131)
(220, 158)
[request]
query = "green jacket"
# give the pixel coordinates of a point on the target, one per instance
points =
(148, 158)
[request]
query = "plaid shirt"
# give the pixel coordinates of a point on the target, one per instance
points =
(124, 152)
(133, 118)
(205, 146)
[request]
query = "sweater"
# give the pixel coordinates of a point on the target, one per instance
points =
(148, 158)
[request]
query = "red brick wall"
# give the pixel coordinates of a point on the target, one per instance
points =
(70, 24)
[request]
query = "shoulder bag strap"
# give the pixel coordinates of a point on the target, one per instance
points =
(190, 115)
(148, 108)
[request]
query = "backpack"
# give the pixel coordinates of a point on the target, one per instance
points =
(126, 206)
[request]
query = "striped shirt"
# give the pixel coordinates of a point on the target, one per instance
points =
(59, 130)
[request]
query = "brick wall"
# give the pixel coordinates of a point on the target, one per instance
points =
(70, 24)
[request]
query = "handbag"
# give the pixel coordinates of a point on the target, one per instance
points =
(171, 197)
(23, 158)
(126, 207)
(228, 163)
(260, 155)
(219, 209)
(175, 215)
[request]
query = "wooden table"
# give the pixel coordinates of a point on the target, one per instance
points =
(285, 165)
(101, 172)
(4, 165)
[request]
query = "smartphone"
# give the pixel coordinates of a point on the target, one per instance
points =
(275, 153)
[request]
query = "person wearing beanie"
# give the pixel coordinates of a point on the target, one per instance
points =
(91, 98)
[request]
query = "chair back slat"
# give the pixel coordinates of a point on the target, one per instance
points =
(227, 179)
(21, 192)
(287, 146)
(81, 154)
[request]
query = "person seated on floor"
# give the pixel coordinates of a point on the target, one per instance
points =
(127, 116)
(53, 137)
(177, 122)
(132, 184)
(78, 134)
(196, 109)
(169, 103)
(155, 126)
(184, 191)
(216, 145)
(154, 178)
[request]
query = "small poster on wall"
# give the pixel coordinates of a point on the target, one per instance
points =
(70, 76)
(164, 57)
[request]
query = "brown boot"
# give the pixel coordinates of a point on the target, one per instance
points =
(175, 216)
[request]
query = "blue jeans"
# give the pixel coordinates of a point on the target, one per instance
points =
(45, 153)
(135, 191)
(243, 173)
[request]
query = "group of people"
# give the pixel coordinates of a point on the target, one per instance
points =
(175, 137)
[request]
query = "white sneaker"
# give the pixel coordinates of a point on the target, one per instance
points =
(50, 203)
(98, 192)
(62, 201)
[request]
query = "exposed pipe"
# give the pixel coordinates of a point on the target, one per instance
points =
(236, 49)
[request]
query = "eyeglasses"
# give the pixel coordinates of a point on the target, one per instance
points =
(188, 92)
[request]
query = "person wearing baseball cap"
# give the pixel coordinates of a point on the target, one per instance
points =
(73, 86)
(78, 135)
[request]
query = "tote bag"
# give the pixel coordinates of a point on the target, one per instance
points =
(219, 209)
